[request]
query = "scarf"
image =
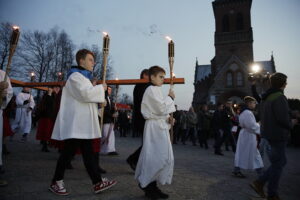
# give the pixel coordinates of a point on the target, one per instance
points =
(81, 70)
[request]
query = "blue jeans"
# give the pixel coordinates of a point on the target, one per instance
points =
(273, 173)
(264, 146)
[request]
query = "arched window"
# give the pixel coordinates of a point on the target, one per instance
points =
(225, 23)
(239, 79)
(239, 22)
(229, 79)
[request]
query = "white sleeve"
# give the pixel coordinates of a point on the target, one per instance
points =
(251, 123)
(19, 99)
(83, 90)
(31, 103)
(158, 105)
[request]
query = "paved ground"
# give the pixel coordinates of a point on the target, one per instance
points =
(198, 175)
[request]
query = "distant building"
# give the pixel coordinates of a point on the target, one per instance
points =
(227, 75)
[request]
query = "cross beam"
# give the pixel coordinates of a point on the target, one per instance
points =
(44, 85)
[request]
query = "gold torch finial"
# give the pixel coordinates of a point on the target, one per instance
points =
(106, 40)
(170, 47)
(15, 35)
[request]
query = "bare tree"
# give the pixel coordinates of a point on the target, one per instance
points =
(126, 99)
(5, 32)
(64, 53)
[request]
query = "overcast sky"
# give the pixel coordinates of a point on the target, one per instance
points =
(137, 29)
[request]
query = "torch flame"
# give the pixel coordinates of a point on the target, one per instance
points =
(168, 38)
(105, 33)
(15, 27)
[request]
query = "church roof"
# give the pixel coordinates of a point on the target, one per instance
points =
(266, 66)
(202, 71)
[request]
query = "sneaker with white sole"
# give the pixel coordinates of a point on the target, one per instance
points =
(58, 187)
(104, 185)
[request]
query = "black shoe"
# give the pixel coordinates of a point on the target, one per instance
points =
(161, 194)
(131, 164)
(102, 171)
(113, 153)
(153, 195)
(238, 174)
(219, 153)
(45, 149)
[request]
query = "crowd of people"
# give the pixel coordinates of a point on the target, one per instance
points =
(69, 119)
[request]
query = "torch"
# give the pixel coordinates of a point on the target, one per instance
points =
(59, 76)
(171, 63)
(13, 44)
(116, 100)
(105, 51)
(32, 77)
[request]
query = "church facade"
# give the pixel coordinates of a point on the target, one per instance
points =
(226, 77)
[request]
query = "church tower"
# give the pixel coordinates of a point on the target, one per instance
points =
(226, 77)
(233, 35)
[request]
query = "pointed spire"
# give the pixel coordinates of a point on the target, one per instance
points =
(196, 61)
(272, 57)
(273, 63)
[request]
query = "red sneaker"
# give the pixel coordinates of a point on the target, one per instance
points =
(104, 185)
(58, 187)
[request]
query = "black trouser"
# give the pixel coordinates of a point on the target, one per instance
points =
(123, 130)
(134, 158)
(203, 136)
(190, 133)
(226, 134)
(89, 160)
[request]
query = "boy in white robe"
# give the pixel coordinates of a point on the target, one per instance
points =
(247, 155)
(156, 161)
(6, 92)
(77, 123)
(25, 104)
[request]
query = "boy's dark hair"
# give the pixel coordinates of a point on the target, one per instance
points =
(145, 71)
(81, 54)
(154, 70)
(248, 99)
(278, 80)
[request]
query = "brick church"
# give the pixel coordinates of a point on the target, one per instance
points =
(226, 77)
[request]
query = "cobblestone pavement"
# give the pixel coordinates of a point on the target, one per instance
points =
(198, 174)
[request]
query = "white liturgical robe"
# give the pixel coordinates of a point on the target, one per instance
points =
(23, 118)
(78, 113)
(156, 161)
(5, 101)
(247, 155)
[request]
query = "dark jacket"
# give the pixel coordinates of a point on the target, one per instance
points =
(274, 114)
(138, 119)
(217, 120)
(227, 116)
(203, 120)
(46, 107)
(109, 110)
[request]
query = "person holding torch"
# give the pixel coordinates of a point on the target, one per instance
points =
(77, 123)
